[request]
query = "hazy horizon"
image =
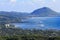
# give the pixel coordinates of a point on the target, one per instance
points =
(28, 5)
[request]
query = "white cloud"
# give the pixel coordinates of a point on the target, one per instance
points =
(13, 1)
(38, 1)
(54, 0)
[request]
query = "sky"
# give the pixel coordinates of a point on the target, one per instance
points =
(28, 5)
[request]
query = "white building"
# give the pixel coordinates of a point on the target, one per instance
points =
(9, 26)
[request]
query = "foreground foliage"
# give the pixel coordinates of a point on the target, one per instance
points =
(28, 37)
(28, 34)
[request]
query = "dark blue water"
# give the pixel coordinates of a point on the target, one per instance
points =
(40, 23)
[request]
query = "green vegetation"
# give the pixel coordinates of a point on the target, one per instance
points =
(28, 37)
(28, 34)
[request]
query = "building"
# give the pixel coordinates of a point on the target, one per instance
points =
(9, 26)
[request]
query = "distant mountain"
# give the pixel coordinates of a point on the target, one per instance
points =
(9, 17)
(45, 12)
(18, 16)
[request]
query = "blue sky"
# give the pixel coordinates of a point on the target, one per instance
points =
(28, 5)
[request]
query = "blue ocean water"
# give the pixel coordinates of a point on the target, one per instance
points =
(40, 23)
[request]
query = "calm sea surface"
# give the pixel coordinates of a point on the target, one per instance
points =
(40, 23)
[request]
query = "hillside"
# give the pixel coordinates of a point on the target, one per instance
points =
(18, 16)
(45, 12)
(9, 17)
